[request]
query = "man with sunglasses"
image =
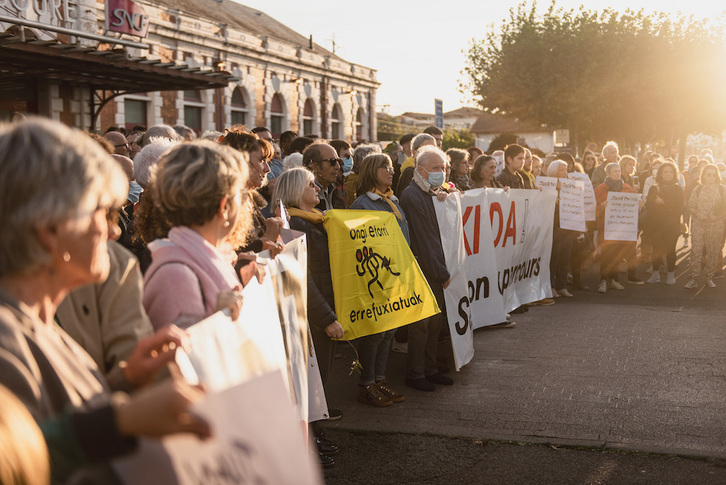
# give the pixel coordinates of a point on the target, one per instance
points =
(323, 161)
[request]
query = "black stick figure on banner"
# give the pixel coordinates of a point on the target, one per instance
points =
(371, 262)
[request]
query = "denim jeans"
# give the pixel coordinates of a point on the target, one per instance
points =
(373, 356)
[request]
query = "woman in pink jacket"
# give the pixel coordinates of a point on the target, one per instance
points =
(198, 189)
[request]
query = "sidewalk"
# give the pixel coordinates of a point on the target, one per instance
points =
(642, 369)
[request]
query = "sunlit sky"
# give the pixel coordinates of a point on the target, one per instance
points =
(417, 46)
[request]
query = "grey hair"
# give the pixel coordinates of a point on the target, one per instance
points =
(554, 166)
(146, 160)
(610, 166)
(290, 186)
(610, 144)
(49, 174)
(291, 161)
(362, 151)
(427, 152)
(419, 140)
(159, 131)
(211, 135)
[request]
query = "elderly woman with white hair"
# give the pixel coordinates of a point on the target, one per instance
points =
(57, 192)
(562, 239)
(612, 252)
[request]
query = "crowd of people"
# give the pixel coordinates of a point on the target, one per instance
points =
(112, 245)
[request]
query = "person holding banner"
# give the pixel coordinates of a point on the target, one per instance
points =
(374, 185)
(482, 175)
(613, 252)
(664, 204)
(561, 239)
(513, 162)
(707, 206)
(417, 201)
(198, 189)
(298, 191)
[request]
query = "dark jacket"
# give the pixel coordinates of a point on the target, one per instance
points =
(511, 180)
(425, 237)
(332, 192)
(403, 181)
(664, 218)
(321, 302)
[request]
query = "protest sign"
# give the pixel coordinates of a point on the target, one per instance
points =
(482, 304)
(590, 203)
(377, 283)
(448, 215)
(621, 216)
(547, 183)
(521, 223)
(572, 205)
(256, 438)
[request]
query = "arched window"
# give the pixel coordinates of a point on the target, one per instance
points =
(239, 107)
(336, 121)
(308, 117)
(277, 115)
(360, 117)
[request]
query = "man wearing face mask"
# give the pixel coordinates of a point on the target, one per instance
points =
(345, 153)
(418, 204)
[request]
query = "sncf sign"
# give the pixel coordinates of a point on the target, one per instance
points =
(127, 17)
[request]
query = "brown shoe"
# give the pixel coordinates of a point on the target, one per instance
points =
(371, 395)
(390, 393)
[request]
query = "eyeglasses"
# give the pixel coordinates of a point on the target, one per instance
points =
(387, 168)
(332, 161)
(123, 145)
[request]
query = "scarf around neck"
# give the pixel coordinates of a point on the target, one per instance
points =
(614, 185)
(314, 216)
(387, 197)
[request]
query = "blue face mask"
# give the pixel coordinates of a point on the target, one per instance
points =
(436, 179)
(347, 164)
(134, 192)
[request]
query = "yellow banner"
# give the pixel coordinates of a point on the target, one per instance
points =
(378, 284)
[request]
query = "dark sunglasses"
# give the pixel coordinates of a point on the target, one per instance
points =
(332, 161)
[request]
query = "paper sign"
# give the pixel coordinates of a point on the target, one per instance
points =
(621, 216)
(572, 205)
(547, 183)
(590, 203)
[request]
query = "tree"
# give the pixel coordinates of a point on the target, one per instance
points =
(632, 77)
(457, 139)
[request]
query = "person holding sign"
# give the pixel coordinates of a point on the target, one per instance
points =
(664, 204)
(613, 252)
(482, 175)
(374, 185)
(707, 206)
(561, 239)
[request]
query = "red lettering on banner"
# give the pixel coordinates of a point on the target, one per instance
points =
(477, 229)
(494, 207)
(511, 226)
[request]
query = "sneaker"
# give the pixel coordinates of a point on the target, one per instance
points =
(372, 396)
(390, 393)
(710, 284)
(507, 324)
(325, 460)
(632, 280)
(440, 379)
(565, 293)
(649, 269)
(334, 414)
(420, 384)
(691, 284)
(399, 347)
(654, 278)
(555, 294)
(615, 285)
(324, 446)
(603, 288)
(671, 279)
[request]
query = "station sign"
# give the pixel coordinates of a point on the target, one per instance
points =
(126, 17)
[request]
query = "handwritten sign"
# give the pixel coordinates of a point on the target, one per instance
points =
(621, 217)
(547, 183)
(590, 203)
(256, 438)
(572, 205)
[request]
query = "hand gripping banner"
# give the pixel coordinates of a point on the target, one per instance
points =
(377, 283)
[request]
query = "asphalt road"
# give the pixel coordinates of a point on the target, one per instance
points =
(623, 387)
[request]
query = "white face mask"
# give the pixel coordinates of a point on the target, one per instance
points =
(435, 179)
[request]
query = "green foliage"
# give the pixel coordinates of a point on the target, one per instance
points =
(457, 139)
(500, 142)
(604, 75)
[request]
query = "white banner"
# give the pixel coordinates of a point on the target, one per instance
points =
(482, 304)
(256, 438)
(522, 233)
(590, 203)
(572, 205)
(448, 214)
(621, 216)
